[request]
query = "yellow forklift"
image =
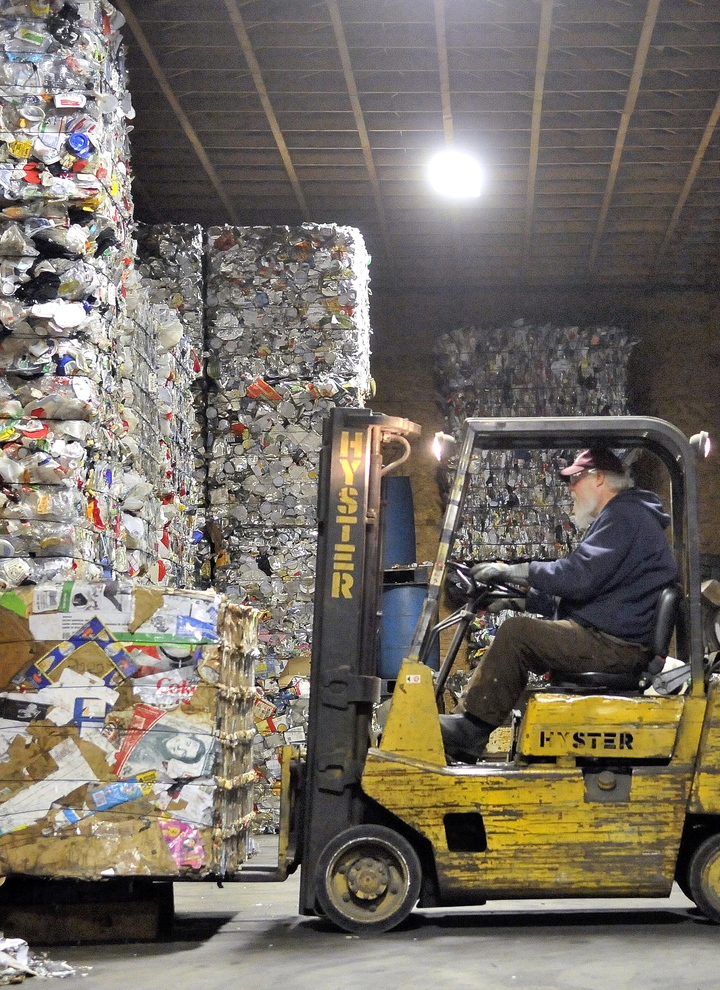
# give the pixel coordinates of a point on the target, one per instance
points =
(605, 791)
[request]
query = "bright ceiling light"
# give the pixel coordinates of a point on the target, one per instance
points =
(456, 174)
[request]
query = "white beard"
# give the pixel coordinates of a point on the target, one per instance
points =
(584, 512)
(582, 519)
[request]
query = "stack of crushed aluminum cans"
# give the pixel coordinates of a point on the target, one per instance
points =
(91, 370)
(517, 506)
(288, 340)
(64, 250)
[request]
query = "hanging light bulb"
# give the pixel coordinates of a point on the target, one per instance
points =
(456, 174)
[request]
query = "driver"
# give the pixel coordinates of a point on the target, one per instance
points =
(603, 596)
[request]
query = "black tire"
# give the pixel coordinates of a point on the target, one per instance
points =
(683, 882)
(368, 879)
(682, 871)
(704, 878)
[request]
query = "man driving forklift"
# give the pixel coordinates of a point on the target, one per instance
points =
(604, 791)
(603, 597)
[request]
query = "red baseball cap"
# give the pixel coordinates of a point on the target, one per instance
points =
(594, 458)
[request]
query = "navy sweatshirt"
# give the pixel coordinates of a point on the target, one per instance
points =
(612, 580)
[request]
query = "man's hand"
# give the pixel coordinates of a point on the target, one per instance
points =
(498, 572)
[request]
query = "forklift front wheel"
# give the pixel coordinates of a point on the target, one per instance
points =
(704, 877)
(368, 879)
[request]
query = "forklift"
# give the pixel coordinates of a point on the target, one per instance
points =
(605, 790)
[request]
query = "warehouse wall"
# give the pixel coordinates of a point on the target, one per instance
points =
(673, 372)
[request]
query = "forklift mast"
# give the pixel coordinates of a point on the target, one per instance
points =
(346, 624)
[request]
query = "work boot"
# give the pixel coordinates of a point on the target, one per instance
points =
(464, 736)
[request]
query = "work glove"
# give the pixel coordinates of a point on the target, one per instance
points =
(506, 605)
(499, 573)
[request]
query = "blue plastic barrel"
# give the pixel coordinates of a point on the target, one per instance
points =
(399, 525)
(402, 604)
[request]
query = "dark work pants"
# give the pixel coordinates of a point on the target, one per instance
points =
(539, 645)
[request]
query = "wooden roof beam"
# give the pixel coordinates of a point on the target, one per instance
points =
(688, 184)
(352, 89)
(444, 72)
(162, 80)
(543, 51)
(247, 49)
(641, 54)
(448, 125)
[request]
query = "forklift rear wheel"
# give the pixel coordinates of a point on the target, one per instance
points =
(704, 877)
(368, 879)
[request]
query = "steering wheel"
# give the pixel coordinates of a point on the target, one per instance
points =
(462, 578)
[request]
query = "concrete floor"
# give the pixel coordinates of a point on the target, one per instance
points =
(248, 936)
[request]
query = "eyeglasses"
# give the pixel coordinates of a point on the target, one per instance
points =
(574, 478)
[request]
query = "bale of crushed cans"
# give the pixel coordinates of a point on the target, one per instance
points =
(289, 303)
(96, 433)
(65, 211)
(288, 339)
(516, 505)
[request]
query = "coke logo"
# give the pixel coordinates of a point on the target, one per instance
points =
(166, 685)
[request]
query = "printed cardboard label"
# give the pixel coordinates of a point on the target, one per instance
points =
(105, 658)
(58, 611)
(22, 711)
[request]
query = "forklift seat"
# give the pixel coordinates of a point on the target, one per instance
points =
(601, 682)
(615, 727)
